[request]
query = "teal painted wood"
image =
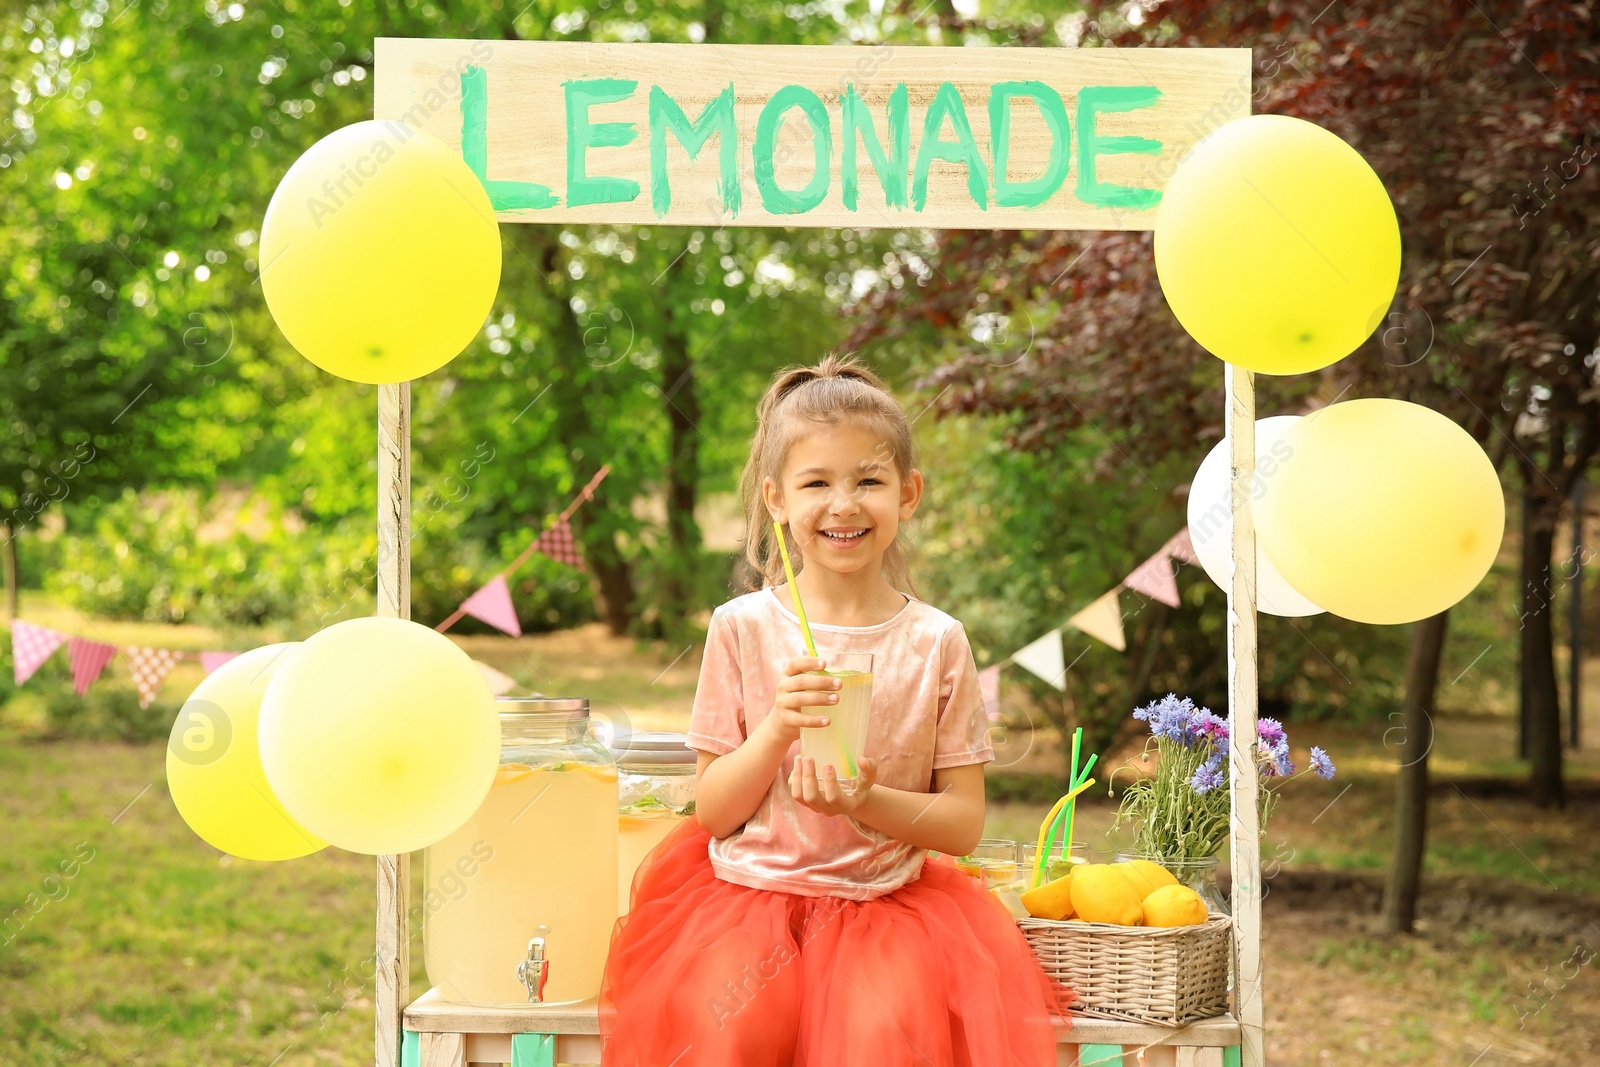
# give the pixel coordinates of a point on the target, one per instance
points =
(410, 1049)
(1103, 1055)
(533, 1050)
(1231, 1056)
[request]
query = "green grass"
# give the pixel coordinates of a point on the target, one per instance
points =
(160, 950)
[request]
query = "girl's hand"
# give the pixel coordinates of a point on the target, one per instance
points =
(798, 691)
(823, 793)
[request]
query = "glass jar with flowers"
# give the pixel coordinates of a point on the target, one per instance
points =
(1179, 813)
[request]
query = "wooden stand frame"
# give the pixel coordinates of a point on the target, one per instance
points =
(392, 958)
(451, 1036)
(1244, 837)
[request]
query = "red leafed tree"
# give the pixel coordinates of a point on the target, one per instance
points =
(1482, 118)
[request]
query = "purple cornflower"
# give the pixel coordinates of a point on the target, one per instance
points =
(1321, 763)
(1153, 710)
(1173, 718)
(1212, 727)
(1274, 751)
(1208, 776)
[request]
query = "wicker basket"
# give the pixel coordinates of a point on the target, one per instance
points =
(1169, 976)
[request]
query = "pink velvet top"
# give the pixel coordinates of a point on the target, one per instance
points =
(926, 715)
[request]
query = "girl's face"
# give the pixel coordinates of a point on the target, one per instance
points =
(843, 497)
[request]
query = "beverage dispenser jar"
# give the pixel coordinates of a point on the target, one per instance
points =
(655, 787)
(520, 901)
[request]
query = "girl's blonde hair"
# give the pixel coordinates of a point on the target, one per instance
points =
(800, 400)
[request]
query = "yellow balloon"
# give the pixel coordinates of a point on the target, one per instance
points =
(214, 764)
(380, 255)
(1277, 246)
(1388, 512)
(380, 735)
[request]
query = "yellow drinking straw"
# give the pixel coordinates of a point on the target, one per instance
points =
(794, 590)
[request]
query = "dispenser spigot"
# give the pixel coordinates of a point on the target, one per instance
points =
(534, 971)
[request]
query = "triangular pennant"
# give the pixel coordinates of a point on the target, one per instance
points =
(1102, 620)
(1043, 657)
(558, 544)
(1181, 548)
(210, 661)
(500, 684)
(30, 646)
(493, 605)
(89, 658)
(1156, 578)
(989, 691)
(149, 667)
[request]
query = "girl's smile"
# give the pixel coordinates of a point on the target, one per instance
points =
(844, 537)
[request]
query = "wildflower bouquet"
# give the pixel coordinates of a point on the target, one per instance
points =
(1181, 813)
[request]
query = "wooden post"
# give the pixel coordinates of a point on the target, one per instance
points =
(392, 959)
(1245, 823)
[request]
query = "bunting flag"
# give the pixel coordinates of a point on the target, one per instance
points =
(89, 658)
(30, 646)
(500, 684)
(210, 661)
(1043, 657)
(1155, 578)
(1102, 620)
(1181, 548)
(557, 543)
(989, 691)
(149, 667)
(493, 605)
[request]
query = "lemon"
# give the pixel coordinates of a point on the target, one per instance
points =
(1053, 900)
(1144, 876)
(1102, 895)
(1174, 905)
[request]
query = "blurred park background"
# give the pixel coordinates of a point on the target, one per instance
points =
(174, 475)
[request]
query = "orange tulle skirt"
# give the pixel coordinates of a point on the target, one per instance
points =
(703, 972)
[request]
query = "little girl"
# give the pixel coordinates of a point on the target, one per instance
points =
(795, 919)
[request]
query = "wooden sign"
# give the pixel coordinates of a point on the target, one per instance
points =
(796, 135)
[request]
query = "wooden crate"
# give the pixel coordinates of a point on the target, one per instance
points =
(441, 1034)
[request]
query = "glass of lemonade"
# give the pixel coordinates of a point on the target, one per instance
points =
(840, 743)
(1058, 867)
(995, 860)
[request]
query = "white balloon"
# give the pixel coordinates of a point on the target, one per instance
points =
(1211, 525)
